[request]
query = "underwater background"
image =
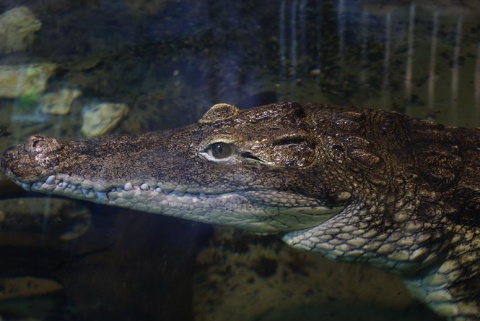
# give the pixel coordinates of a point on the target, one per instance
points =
(78, 69)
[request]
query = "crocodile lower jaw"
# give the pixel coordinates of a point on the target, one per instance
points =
(279, 212)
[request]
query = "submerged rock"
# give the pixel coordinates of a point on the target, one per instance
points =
(60, 102)
(17, 29)
(21, 287)
(100, 119)
(29, 79)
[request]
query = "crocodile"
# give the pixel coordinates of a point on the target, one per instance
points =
(351, 184)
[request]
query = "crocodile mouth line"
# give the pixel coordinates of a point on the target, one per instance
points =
(155, 198)
(102, 193)
(201, 206)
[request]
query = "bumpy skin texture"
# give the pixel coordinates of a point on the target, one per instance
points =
(352, 184)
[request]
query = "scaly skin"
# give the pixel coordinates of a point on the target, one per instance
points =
(351, 184)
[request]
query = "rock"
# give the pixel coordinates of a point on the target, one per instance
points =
(60, 102)
(29, 79)
(21, 287)
(17, 29)
(101, 118)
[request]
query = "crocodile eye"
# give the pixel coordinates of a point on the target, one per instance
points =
(221, 150)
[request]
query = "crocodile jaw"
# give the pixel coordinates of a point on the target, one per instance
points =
(33, 166)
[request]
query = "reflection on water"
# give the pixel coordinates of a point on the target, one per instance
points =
(413, 58)
(167, 62)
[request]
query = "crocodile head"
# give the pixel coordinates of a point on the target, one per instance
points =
(351, 184)
(232, 168)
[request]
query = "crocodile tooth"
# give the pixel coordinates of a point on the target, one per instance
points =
(144, 187)
(128, 186)
(50, 180)
(102, 196)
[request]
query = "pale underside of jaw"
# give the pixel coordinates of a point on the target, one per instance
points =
(266, 213)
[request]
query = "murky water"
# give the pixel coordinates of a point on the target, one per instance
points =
(167, 62)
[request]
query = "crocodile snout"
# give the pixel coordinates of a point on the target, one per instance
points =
(34, 159)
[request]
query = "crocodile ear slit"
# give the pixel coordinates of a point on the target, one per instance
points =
(219, 112)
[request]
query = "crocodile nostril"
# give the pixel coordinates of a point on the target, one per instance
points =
(41, 144)
(34, 144)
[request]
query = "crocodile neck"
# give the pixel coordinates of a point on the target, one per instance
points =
(352, 184)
